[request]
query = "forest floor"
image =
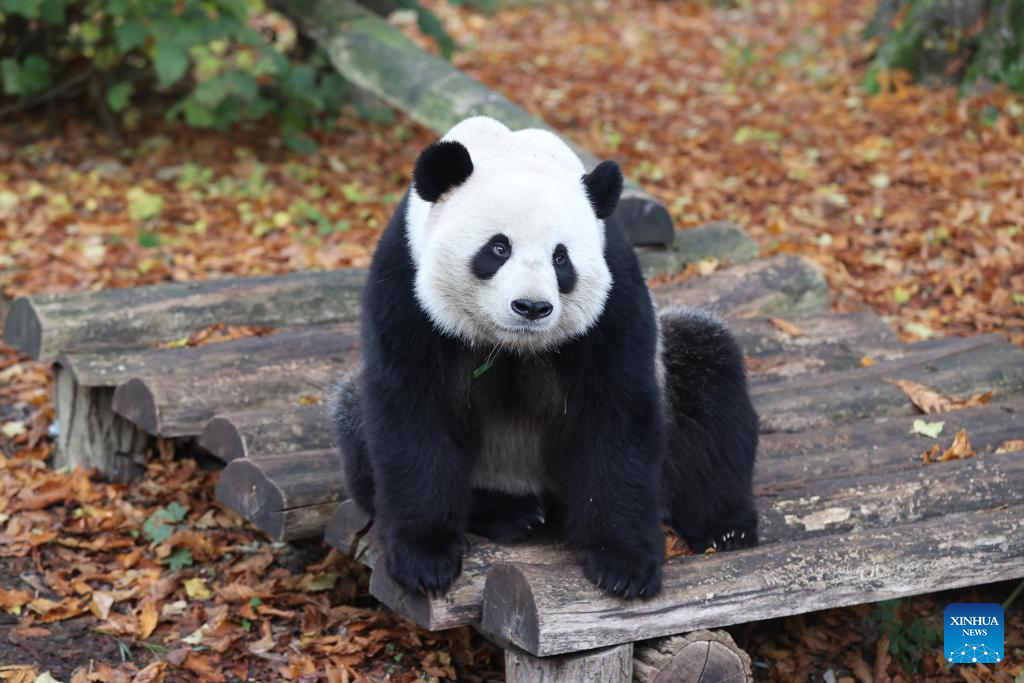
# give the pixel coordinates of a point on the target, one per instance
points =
(912, 202)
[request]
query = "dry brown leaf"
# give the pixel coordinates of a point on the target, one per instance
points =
(1011, 446)
(960, 449)
(14, 600)
(866, 362)
(859, 668)
(18, 673)
(929, 401)
(148, 618)
(882, 659)
(155, 672)
(101, 604)
(786, 327)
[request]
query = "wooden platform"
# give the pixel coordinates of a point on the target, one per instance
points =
(850, 512)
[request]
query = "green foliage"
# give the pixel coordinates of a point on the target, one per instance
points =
(908, 642)
(209, 54)
(161, 525)
(945, 41)
(179, 559)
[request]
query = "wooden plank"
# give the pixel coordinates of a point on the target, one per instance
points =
(112, 367)
(177, 407)
(606, 665)
(377, 57)
(877, 446)
(43, 325)
(552, 609)
(953, 366)
(780, 285)
(257, 433)
(287, 497)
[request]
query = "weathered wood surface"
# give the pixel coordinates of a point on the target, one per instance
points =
(953, 366)
(170, 406)
(881, 445)
(44, 325)
(287, 497)
(257, 433)
(240, 356)
(698, 657)
(375, 56)
(552, 609)
(607, 665)
(91, 434)
(781, 285)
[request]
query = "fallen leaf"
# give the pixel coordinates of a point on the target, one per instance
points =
(787, 327)
(929, 429)
(1011, 446)
(196, 589)
(148, 618)
(101, 604)
(866, 362)
(960, 449)
(929, 401)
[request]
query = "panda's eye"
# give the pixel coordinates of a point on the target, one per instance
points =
(560, 259)
(500, 249)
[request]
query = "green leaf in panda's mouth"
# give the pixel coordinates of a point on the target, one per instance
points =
(487, 364)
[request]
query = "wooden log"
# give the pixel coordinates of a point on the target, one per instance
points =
(953, 366)
(375, 56)
(286, 497)
(552, 609)
(721, 240)
(781, 285)
(348, 524)
(804, 509)
(701, 657)
(257, 433)
(606, 665)
(43, 325)
(90, 434)
(242, 356)
(882, 445)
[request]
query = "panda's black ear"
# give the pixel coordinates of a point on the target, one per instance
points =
(440, 167)
(604, 186)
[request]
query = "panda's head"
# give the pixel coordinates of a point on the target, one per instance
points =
(508, 236)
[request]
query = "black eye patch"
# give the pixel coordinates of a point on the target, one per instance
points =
(564, 270)
(491, 257)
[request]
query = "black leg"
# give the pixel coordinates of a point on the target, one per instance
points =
(505, 517)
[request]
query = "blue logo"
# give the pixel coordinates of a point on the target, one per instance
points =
(973, 633)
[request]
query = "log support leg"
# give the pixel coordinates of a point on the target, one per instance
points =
(606, 665)
(700, 657)
(91, 434)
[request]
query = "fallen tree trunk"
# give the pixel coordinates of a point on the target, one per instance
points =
(377, 57)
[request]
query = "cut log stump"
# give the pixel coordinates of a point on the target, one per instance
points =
(606, 665)
(700, 657)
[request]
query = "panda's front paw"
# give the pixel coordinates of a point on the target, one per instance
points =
(728, 537)
(424, 567)
(627, 575)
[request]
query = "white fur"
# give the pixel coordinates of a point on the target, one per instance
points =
(528, 186)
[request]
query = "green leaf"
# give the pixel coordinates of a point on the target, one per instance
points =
(179, 559)
(30, 9)
(130, 35)
(143, 205)
(53, 12)
(157, 529)
(10, 71)
(34, 75)
(314, 583)
(246, 625)
(255, 601)
(170, 62)
(487, 365)
(176, 512)
(119, 95)
(900, 295)
(149, 239)
(929, 429)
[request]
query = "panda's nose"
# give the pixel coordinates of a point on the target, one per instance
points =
(532, 310)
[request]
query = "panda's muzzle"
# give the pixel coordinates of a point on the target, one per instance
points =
(532, 309)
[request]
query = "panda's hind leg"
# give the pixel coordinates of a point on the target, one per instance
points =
(346, 424)
(712, 435)
(505, 517)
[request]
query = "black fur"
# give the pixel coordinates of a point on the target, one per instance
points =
(486, 263)
(712, 434)
(410, 438)
(564, 271)
(604, 187)
(441, 167)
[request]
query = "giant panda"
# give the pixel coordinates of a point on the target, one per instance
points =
(514, 376)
